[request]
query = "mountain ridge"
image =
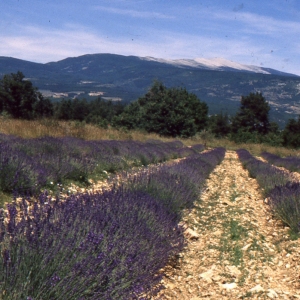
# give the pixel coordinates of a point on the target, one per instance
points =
(127, 78)
(218, 64)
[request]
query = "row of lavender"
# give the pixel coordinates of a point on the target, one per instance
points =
(278, 186)
(291, 163)
(29, 165)
(109, 245)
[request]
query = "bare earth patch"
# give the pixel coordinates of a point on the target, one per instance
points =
(235, 249)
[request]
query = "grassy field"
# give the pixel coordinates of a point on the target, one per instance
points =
(54, 128)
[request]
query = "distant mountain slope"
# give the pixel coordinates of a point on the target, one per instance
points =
(217, 64)
(218, 82)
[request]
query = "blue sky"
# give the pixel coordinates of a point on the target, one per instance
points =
(258, 32)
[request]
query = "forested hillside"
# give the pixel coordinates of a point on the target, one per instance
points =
(129, 77)
(173, 112)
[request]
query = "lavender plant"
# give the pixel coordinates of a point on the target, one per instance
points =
(284, 203)
(177, 186)
(283, 194)
(101, 246)
(108, 245)
(198, 147)
(185, 152)
(30, 165)
(16, 170)
(291, 163)
(267, 176)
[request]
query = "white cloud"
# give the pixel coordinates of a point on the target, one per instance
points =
(259, 24)
(44, 45)
(133, 13)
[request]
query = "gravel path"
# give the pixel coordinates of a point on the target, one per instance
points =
(235, 249)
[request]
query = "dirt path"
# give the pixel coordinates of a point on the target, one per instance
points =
(241, 252)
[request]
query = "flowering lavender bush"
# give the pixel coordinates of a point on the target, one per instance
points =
(101, 246)
(30, 165)
(291, 163)
(177, 186)
(284, 195)
(108, 245)
(266, 175)
(16, 170)
(184, 152)
(284, 202)
(198, 147)
(216, 158)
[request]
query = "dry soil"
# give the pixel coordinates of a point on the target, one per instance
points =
(235, 248)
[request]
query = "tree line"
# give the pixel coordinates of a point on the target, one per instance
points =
(19, 99)
(173, 112)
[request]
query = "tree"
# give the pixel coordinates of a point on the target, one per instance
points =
(219, 125)
(63, 110)
(169, 112)
(252, 117)
(102, 112)
(130, 118)
(43, 107)
(20, 99)
(80, 109)
(291, 133)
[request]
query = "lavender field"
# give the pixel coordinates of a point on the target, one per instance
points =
(282, 190)
(291, 163)
(114, 243)
(29, 165)
(104, 245)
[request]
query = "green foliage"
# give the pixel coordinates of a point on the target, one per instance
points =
(166, 111)
(98, 111)
(130, 118)
(68, 109)
(128, 77)
(43, 107)
(273, 138)
(63, 110)
(253, 115)
(242, 136)
(102, 112)
(19, 99)
(219, 125)
(251, 123)
(291, 133)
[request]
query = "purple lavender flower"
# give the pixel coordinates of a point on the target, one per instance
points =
(54, 279)
(107, 245)
(284, 196)
(290, 163)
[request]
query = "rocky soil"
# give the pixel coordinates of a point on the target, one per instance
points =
(235, 248)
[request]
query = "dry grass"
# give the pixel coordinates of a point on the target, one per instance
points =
(49, 127)
(255, 149)
(54, 128)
